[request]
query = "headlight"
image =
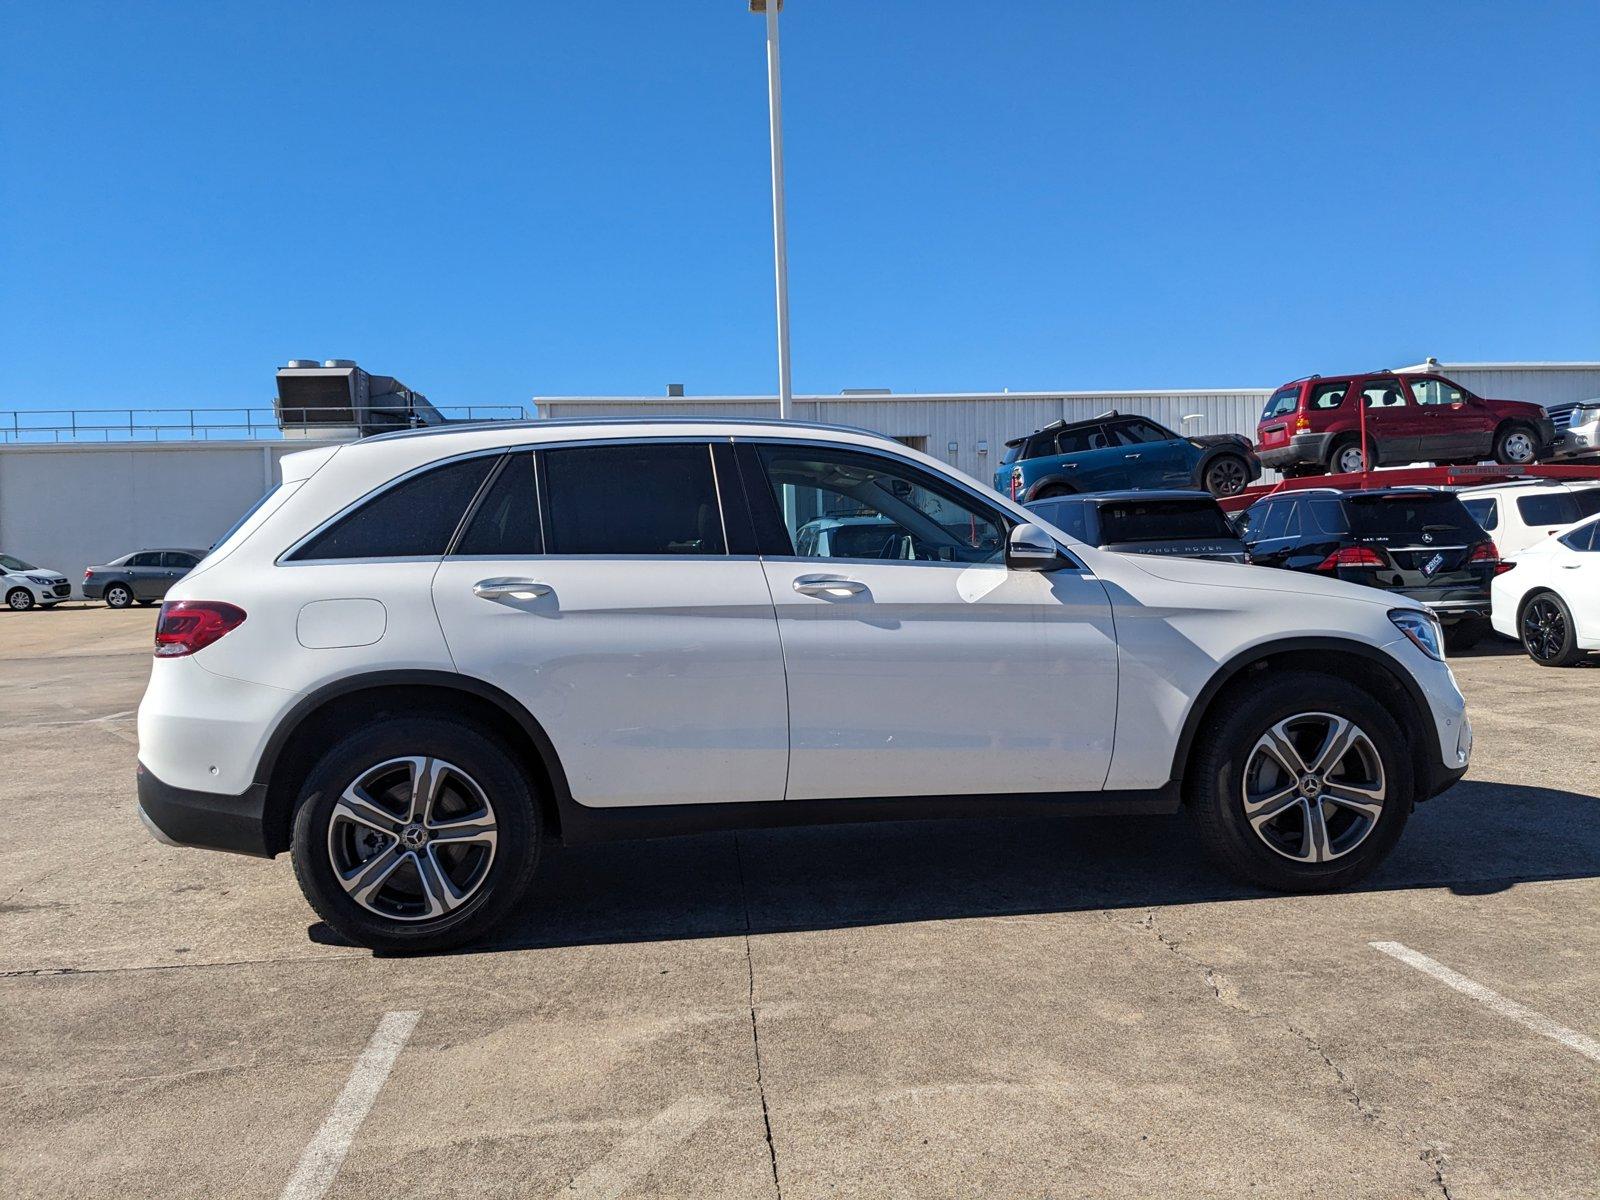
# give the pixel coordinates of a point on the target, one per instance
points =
(1422, 628)
(40, 579)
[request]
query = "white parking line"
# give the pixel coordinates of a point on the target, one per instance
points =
(325, 1155)
(637, 1153)
(1538, 1022)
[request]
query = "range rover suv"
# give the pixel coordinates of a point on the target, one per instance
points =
(426, 655)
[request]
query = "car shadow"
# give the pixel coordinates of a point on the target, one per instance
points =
(1477, 838)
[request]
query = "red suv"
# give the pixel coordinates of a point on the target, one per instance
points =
(1314, 425)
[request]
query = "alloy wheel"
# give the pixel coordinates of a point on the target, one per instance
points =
(1226, 477)
(412, 839)
(1313, 787)
(1350, 459)
(20, 600)
(1544, 629)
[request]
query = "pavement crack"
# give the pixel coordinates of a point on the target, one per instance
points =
(755, 1028)
(1435, 1158)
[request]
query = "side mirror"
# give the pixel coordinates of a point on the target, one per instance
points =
(1030, 548)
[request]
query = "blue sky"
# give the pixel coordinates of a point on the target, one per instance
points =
(494, 201)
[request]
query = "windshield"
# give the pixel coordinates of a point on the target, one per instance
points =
(1162, 520)
(15, 564)
(1282, 401)
(1400, 515)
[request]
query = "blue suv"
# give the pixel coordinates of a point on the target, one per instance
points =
(1113, 452)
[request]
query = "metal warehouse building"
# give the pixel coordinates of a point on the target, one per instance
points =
(969, 430)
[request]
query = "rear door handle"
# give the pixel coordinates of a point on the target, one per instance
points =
(827, 585)
(502, 587)
(1135, 455)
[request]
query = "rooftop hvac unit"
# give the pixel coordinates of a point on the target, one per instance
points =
(336, 398)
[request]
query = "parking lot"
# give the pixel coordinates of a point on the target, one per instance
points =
(1025, 1008)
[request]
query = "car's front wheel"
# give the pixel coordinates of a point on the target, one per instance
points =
(19, 599)
(1516, 445)
(1227, 475)
(119, 595)
(1302, 784)
(415, 834)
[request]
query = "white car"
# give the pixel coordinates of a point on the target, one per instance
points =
(1549, 597)
(26, 586)
(426, 654)
(1578, 429)
(1519, 515)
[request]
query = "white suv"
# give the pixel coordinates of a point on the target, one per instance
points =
(1520, 515)
(426, 654)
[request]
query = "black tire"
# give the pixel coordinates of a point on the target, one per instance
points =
(1055, 489)
(19, 599)
(1347, 443)
(1464, 635)
(1226, 475)
(1516, 445)
(1226, 746)
(1545, 628)
(503, 882)
(118, 595)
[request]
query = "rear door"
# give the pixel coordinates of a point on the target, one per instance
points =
(175, 564)
(613, 589)
(1394, 425)
(944, 674)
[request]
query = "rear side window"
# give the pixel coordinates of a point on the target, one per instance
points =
(1162, 520)
(1384, 394)
(1484, 511)
(413, 519)
(1324, 516)
(1582, 538)
(1403, 517)
(182, 561)
(645, 498)
(506, 524)
(1559, 508)
(1282, 402)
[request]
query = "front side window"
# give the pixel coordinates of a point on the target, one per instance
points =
(1132, 433)
(1270, 523)
(413, 519)
(876, 508)
(1431, 391)
(639, 498)
(182, 562)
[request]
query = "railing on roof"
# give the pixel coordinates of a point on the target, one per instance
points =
(66, 425)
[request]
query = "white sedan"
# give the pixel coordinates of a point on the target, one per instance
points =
(24, 586)
(1549, 596)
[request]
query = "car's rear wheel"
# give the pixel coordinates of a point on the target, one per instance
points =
(1227, 475)
(1548, 634)
(19, 599)
(1302, 784)
(1516, 445)
(1054, 490)
(1346, 456)
(119, 595)
(416, 834)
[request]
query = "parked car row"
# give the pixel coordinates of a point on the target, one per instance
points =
(141, 577)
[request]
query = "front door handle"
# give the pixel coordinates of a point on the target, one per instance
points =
(502, 588)
(1134, 455)
(828, 585)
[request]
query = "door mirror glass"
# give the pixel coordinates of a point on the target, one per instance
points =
(1030, 548)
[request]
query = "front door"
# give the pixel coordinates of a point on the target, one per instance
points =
(594, 584)
(1152, 457)
(1454, 426)
(145, 575)
(931, 670)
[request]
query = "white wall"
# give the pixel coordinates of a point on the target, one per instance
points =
(72, 506)
(966, 420)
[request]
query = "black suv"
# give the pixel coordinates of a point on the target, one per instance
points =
(1419, 542)
(1188, 524)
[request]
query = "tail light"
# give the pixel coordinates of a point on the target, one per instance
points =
(1350, 556)
(1302, 423)
(1016, 481)
(88, 574)
(1484, 552)
(189, 625)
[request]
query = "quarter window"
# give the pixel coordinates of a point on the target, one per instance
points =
(413, 519)
(639, 498)
(838, 504)
(1485, 511)
(1582, 538)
